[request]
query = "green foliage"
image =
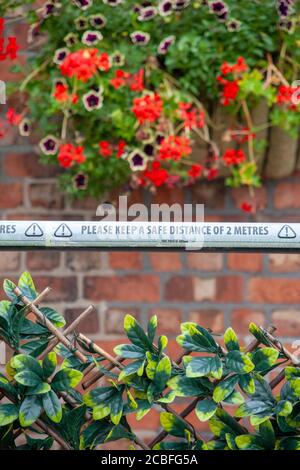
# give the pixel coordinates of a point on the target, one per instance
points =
(213, 377)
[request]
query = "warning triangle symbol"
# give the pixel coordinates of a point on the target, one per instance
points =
(287, 232)
(34, 230)
(63, 231)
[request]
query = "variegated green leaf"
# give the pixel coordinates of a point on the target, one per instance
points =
(136, 367)
(26, 286)
(52, 406)
(116, 409)
(205, 409)
(101, 411)
(49, 364)
(40, 389)
(248, 442)
(238, 362)
(28, 378)
(30, 410)
(136, 333)
(259, 334)
(66, 379)
(22, 362)
(185, 387)
(267, 435)
(174, 426)
(52, 315)
(162, 374)
(8, 413)
(247, 384)
(225, 388)
(129, 351)
(196, 338)
(204, 366)
(264, 358)
(151, 330)
(222, 423)
(231, 340)
(288, 443)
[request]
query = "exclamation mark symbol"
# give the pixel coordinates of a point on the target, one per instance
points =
(286, 231)
(63, 231)
(34, 230)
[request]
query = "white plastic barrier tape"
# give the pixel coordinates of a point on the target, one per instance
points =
(22, 235)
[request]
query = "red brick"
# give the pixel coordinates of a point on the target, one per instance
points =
(165, 261)
(45, 195)
(204, 289)
(114, 319)
(205, 261)
(274, 290)
(213, 319)
(179, 288)
(27, 164)
(89, 325)
(229, 289)
(250, 262)
(42, 261)
(212, 195)
(240, 195)
(143, 288)
(10, 195)
(83, 261)
(9, 261)
(287, 322)
(174, 350)
(287, 195)
(125, 260)
(241, 318)
(168, 320)
(150, 421)
(284, 262)
(63, 289)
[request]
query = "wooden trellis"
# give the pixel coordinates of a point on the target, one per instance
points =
(75, 342)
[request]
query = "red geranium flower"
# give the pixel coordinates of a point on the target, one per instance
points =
(121, 148)
(233, 157)
(138, 81)
(157, 175)
(83, 64)
(148, 108)
(105, 148)
(246, 207)
(195, 171)
(119, 78)
(13, 117)
(174, 148)
(69, 154)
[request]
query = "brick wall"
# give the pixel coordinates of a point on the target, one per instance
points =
(215, 290)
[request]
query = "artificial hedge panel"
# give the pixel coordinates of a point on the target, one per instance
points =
(61, 385)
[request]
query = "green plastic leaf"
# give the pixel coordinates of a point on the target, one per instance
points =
(129, 351)
(49, 364)
(264, 358)
(288, 443)
(40, 389)
(238, 362)
(162, 374)
(101, 411)
(247, 384)
(225, 388)
(30, 410)
(173, 425)
(26, 286)
(8, 287)
(205, 409)
(56, 318)
(116, 409)
(284, 408)
(28, 378)
(196, 338)
(259, 334)
(8, 414)
(204, 366)
(248, 442)
(185, 387)
(52, 406)
(136, 333)
(136, 367)
(231, 340)
(23, 362)
(66, 379)
(222, 423)
(151, 330)
(267, 435)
